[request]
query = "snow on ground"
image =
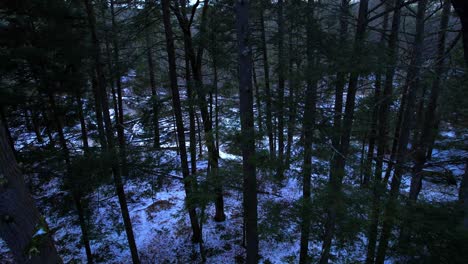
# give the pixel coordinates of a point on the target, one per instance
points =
(160, 220)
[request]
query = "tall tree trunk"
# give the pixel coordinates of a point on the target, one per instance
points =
(378, 98)
(74, 185)
(84, 130)
(422, 146)
(257, 99)
(280, 99)
(291, 100)
(196, 64)
(4, 120)
(192, 129)
(47, 125)
(308, 124)
(412, 84)
(23, 229)
(337, 168)
(36, 127)
(266, 72)
(463, 196)
(98, 111)
(118, 74)
(102, 95)
(340, 78)
(152, 78)
(188, 181)
(385, 101)
(247, 130)
(461, 7)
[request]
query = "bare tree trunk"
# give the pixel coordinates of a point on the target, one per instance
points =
(102, 95)
(74, 185)
(461, 7)
(291, 100)
(257, 99)
(422, 146)
(36, 127)
(463, 196)
(280, 99)
(192, 130)
(154, 94)
(247, 130)
(266, 72)
(188, 181)
(337, 167)
(340, 78)
(118, 74)
(385, 100)
(23, 229)
(196, 63)
(308, 124)
(98, 110)
(4, 120)
(412, 84)
(378, 98)
(84, 130)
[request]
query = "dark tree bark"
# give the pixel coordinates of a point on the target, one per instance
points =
(196, 64)
(36, 127)
(382, 133)
(74, 188)
(461, 7)
(188, 181)
(463, 196)
(84, 130)
(340, 78)
(422, 146)
(98, 111)
(4, 120)
(308, 124)
(102, 95)
(412, 83)
(266, 72)
(192, 129)
(378, 99)
(257, 99)
(117, 75)
(337, 165)
(22, 227)
(292, 83)
(280, 98)
(152, 78)
(247, 129)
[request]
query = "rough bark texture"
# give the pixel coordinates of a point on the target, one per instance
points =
(20, 220)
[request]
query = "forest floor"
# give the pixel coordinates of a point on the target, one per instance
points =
(160, 220)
